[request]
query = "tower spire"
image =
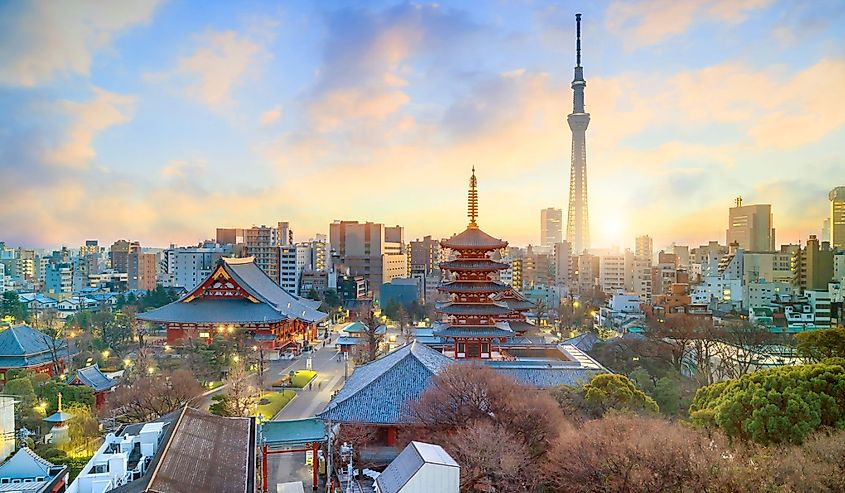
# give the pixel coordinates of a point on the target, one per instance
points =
(577, 40)
(472, 200)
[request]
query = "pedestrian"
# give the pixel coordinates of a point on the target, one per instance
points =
(319, 385)
(310, 384)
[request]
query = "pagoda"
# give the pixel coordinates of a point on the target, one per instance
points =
(472, 323)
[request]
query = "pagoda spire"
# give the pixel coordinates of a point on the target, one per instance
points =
(472, 200)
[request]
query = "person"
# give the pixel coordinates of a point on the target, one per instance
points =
(319, 385)
(310, 384)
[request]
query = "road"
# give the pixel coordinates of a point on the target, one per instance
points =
(291, 467)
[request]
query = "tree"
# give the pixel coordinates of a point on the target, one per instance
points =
(602, 394)
(742, 344)
(676, 331)
(372, 338)
(331, 300)
(477, 413)
(313, 295)
(71, 395)
(241, 396)
(51, 333)
(152, 396)
(780, 405)
(406, 329)
(816, 345)
(632, 454)
(11, 305)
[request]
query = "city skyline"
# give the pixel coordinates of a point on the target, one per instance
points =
(159, 123)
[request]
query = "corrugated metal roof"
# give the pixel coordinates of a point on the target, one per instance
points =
(379, 391)
(206, 453)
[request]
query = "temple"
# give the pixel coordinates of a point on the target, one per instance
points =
(239, 298)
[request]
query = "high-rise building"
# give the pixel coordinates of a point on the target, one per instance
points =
(425, 255)
(141, 270)
(369, 250)
(263, 242)
(563, 263)
(812, 266)
(577, 221)
(751, 227)
(230, 236)
(188, 266)
(612, 273)
(644, 247)
(120, 251)
(551, 227)
(837, 218)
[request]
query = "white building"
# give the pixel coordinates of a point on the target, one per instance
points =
(621, 310)
(760, 294)
(420, 468)
(120, 460)
(612, 272)
(186, 267)
(289, 271)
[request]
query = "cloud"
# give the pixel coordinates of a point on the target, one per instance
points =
(178, 168)
(270, 117)
(87, 119)
(645, 23)
(41, 40)
(220, 63)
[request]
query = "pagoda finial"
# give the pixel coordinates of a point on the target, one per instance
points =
(60, 402)
(472, 199)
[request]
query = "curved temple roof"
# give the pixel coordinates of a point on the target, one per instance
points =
(472, 238)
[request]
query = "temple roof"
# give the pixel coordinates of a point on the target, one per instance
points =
(451, 330)
(455, 308)
(473, 265)
(94, 378)
(379, 391)
(472, 287)
(214, 311)
(473, 238)
(23, 346)
(276, 303)
(26, 464)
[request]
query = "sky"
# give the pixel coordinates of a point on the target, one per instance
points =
(161, 120)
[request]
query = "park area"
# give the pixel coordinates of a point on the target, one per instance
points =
(271, 403)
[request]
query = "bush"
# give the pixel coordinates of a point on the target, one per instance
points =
(604, 393)
(780, 405)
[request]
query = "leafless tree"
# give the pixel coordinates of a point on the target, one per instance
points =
(372, 339)
(152, 396)
(743, 345)
(241, 393)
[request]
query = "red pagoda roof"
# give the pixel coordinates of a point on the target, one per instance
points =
(467, 265)
(457, 308)
(472, 287)
(473, 238)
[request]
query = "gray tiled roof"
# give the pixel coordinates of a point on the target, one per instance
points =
(549, 377)
(250, 275)
(584, 342)
(472, 287)
(480, 264)
(214, 311)
(379, 391)
(21, 345)
(94, 378)
(455, 308)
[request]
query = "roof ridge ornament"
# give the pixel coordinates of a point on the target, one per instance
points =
(472, 200)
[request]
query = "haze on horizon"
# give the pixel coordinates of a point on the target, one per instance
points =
(159, 121)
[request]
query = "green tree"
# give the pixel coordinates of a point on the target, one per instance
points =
(816, 345)
(331, 299)
(313, 295)
(604, 393)
(71, 395)
(780, 405)
(667, 394)
(10, 304)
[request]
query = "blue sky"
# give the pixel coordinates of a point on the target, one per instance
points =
(161, 120)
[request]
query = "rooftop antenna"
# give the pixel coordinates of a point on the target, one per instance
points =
(739, 201)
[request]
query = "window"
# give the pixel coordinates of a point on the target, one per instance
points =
(485, 347)
(462, 348)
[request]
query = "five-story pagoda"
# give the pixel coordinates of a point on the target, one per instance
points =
(470, 323)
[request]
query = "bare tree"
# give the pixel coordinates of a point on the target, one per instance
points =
(51, 334)
(372, 338)
(152, 396)
(743, 346)
(241, 393)
(676, 331)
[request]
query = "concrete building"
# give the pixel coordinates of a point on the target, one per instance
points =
(612, 273)
(58, 280)
(551, 227)
(577, 220)
(289, 271)
(563, 263)
(425, 255)
(644, 247)
(812, 266)
(186, 267)
(230, 236)
(142, 270)
(537, 269)
(369, 250)
(119, 255)
(704, 260)
(837, 218)
(263, 242)
(758, 294)
(751, 227)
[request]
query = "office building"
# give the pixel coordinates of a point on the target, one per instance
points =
(837, 218)
(120, 251)
(142, 270)
(644, 247)
(812, 266)
(751, 227)
(551, 227)
(369, 250)
(186, 267)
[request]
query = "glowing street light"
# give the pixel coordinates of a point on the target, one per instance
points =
(151, 370)
(106, 354)
(236, 358)
(127, 361)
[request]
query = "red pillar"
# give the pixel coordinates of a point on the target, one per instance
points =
(391, 436)
(264, 473)
(315, 464)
